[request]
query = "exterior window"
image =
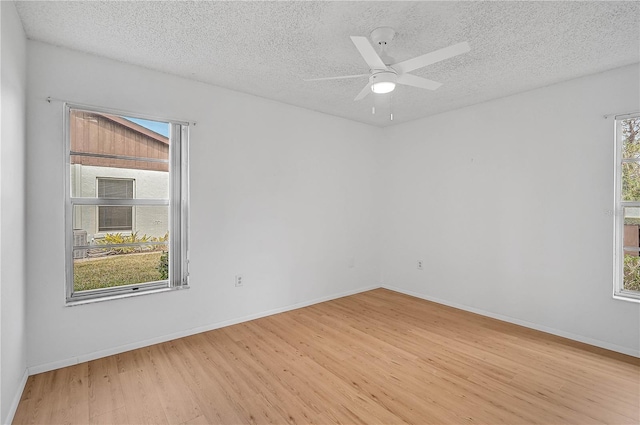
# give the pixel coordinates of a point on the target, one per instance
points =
(127, 205)
(627, 235)
(112, 218)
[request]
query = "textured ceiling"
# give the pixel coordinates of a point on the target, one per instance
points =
(268, 48)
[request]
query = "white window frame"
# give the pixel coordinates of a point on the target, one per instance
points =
(178, 203)
(618, 282)
(133, 211)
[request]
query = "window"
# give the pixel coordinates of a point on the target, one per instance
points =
(113, 218)
(127, 205)
(627, 217)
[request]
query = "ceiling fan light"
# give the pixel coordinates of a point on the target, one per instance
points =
(383, 87)
(383, 82)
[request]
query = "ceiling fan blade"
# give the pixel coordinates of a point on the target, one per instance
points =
(336, 78)
(364, 92)
(415, 81)
(431, 58)
(368, 52)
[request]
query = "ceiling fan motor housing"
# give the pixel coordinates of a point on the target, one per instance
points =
(382, 36)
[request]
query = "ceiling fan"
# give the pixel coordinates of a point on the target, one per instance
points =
(384, 73)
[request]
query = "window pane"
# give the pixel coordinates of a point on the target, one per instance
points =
(630, 132)
(631, 181)
(104, 142)
(631, 271)
(138, 260)
(631, 234)
(116, 270)
(105, 134)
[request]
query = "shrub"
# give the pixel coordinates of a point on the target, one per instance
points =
(163, 265)
(632, 273)
(119, 238)
(164, 238)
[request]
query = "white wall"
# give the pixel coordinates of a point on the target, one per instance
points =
(13, 352)
(509, 205)
(507, 202)
(282, 195)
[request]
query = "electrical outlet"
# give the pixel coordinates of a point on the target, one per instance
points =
(420, 264)
(239, 280)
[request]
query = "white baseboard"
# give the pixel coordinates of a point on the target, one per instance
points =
(579, 338)
(164, 338)
(145, 343)
(16, 398)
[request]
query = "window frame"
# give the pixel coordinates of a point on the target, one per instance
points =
(619, 205)
(177, 203)
(133, 194)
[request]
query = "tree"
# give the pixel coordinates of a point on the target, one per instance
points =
(631, 149)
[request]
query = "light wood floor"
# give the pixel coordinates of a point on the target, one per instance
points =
(375, 357)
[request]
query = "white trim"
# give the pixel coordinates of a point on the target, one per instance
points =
(151, 288)
(508, 319)
(118, 112)
(621, 115)
(619, 293)
(632, 298)
(45, 367)
(16, 398)
(177, 203)
(618, 212)
(181, 334)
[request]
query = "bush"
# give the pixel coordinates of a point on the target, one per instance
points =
(632, 273)
(119, 238)
(163, 266)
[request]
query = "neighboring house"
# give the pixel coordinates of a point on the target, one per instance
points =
(128, 161)
(632, 236)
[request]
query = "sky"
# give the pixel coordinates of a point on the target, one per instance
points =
(157, 126)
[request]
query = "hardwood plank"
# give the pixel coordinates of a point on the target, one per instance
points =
(71, 405)
(131, 360)
(200, 420)
(308, 382)
(141, 400)
(105, 388)
(206, 387)
(117, 416)
(369, 371)
(171, 385)
(377, 357)
(33, 407)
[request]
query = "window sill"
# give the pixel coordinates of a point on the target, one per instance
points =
(627, 296)
(72, 303)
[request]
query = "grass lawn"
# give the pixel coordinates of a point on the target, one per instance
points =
(116, 270)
